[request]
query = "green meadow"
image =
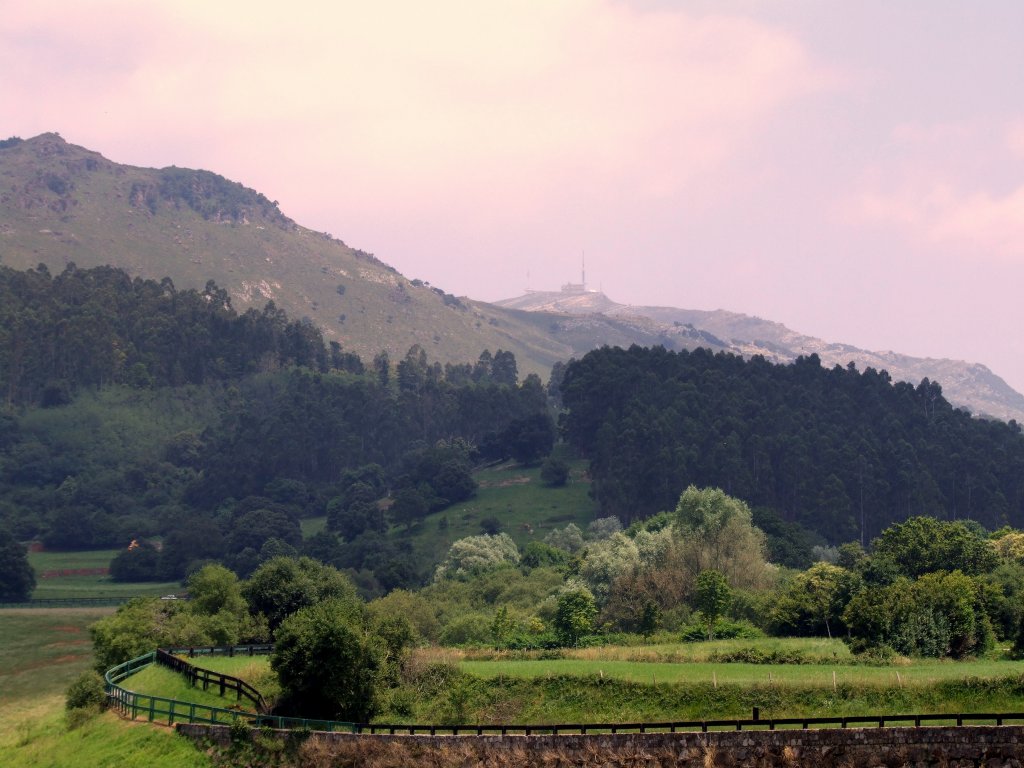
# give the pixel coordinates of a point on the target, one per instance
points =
(44, 649)
(87, 585)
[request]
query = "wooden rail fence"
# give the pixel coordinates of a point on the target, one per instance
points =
(196, 675)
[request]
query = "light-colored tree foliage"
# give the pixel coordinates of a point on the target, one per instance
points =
(603, 527)
(475, 554)
(569, 538)
(1010, 546)
(717, 533)
(607, 560)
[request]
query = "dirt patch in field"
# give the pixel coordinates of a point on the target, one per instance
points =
(57, 573)
(67, 644)
(67, 629)
(69, 657)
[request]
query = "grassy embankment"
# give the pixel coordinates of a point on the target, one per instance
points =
(527, 509)
(44, 649)
(621, 684)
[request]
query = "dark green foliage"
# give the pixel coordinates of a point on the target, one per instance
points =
(843, 453)
(813, 602)
(711, 597)
(789, 544)
(323, 546)
(923, 544)
(409, 507)
(723, 630)
(939, 614)
(554, 471)
(17, 579)
(141, 562)
(575, 615)
(329, 664)
(491, 526)
(164, 408)
(530, 438)
(283, 585)
(214, 197)
(255, 520)
(538, 554)
(94, 327)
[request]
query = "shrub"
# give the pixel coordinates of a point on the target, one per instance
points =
(87, 691)
(724, 630)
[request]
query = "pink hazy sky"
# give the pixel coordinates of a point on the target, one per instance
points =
(854, 170)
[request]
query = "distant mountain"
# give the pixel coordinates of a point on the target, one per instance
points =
(969, 385)
(61, 203)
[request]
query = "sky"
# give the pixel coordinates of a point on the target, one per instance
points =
(854, 170)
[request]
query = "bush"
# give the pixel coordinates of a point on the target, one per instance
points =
(752, 655)
(554, 472)
(724, 630)
(87, 691)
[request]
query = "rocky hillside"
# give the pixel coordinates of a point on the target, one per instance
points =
(61, 203)
(970, 385)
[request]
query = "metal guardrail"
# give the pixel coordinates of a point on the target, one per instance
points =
(134, 705)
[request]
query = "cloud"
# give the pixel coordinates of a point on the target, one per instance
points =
(955, 186)
(406, 104)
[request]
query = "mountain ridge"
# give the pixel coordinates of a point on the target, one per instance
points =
(971, 385)
(61, 203)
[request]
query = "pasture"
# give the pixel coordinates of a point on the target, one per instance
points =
(43, 650)
(63, 575)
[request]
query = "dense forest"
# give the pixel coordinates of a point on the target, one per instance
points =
(138, 411)
(842, 452)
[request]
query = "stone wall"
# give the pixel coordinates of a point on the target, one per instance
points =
(949, 747)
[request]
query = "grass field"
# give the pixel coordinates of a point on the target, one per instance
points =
(161, 681)
(94, 585)
(527, 509)
(44, 649)
(793, 675)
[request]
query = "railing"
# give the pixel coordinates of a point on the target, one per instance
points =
(771, 724)
(134, 705)
(156, 708)
(196, 675)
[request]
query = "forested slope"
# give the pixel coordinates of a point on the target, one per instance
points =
(842, 452)
(135, 410)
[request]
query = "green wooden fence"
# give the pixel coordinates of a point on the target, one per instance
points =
(159, 709)
(135, 705)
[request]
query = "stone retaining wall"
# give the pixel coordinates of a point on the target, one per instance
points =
(948, 747)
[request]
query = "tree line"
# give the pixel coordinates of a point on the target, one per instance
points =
(842, 452)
